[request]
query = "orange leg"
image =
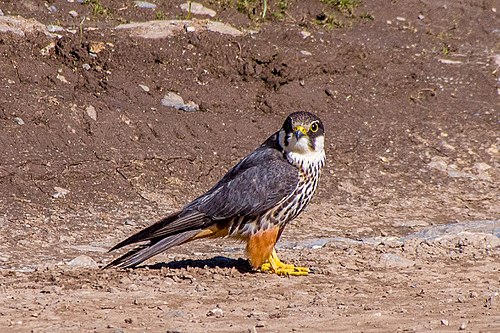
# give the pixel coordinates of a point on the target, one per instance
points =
(262, 255)
(260, 246)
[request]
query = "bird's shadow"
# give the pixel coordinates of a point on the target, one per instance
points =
(241, 265)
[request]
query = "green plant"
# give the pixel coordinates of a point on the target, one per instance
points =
(343, 5)
(282, 7)
(366, 16)
(445, 50)
(159, 15)
(96, 7)
(329, 21)
(252, 8)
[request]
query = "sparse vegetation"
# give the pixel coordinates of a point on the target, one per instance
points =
(345, 6)
(252, 8)
(282, 7)
(159, 15)
(96, 7)
(366, 16)
(329, 21)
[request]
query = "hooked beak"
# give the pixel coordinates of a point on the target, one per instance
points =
(299, 131)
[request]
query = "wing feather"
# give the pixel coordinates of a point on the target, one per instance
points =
(256, 184)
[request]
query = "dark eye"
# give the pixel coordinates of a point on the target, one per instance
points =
(314, 127)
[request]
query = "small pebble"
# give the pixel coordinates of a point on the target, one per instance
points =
(62, 78)
(197, 9)
(73, 13)
(86, 67)
(19, 121)
(144, 87)
(463, 326)
(400, 19)
(130, 222)
(1, 13)
(217, 313)
(60, 192)
(175, 101)
(54, 28)
(421, 17)
(444, 322)
(52, 9)
(91, 112)
(83, 261)
(305, 34)
(144, 4)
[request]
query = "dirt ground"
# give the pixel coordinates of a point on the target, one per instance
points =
(403, 234)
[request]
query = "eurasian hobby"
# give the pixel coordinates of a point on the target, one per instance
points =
(253, 202)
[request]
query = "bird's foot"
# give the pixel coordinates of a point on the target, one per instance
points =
(276, 266)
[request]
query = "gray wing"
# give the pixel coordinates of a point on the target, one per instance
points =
(256, 184)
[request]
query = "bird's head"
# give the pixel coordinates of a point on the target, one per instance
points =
(302, 134)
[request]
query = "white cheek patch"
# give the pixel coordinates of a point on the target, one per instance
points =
(319, 143)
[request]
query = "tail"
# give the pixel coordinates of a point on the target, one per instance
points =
(175, 229)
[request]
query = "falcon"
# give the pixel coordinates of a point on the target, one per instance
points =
(253, 202)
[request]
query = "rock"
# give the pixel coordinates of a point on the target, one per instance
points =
(175, 101)
(222, 28)
(190, 107)
(91, 112)
(444, 322)
(168, 28)
(144, 87)
(144, 4)
(410, 223)
(305, 34)
(21, 26)
(62, 78)
(462, 326)
(19, 121)
(393, 260)
(217, 313)
(1, 13)
(460, 230)
(86, 67)
(197, 9)
(172, 100)
(130, 222)
(73, 13)
(83, 261)
(450, 62)
(60, 192)
(54, 28)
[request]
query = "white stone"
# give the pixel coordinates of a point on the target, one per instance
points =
(144, 87)
(197, 9)
(167, 28)
(91, 112)
(83, 261)
(60, 192)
